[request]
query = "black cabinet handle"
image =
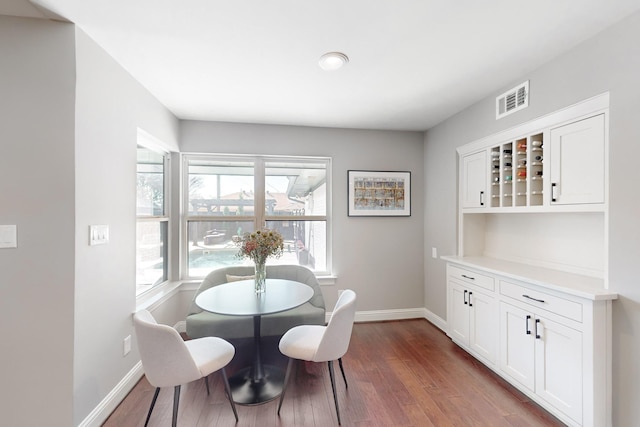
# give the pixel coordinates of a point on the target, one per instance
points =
(482, 198)
(470, 293)
(465, 297)
(537, 335)
(553, 192)
(468, 277)
(531, 298)
(527, 324)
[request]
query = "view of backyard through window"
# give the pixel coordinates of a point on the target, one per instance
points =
(226, 198)
(152, 222)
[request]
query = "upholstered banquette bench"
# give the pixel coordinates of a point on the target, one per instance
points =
(204, 324)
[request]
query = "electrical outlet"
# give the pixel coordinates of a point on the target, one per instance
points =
(127, 345)
(8, 236)
(434, 253)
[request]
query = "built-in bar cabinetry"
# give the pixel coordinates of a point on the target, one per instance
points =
(512, 174)
(545, 331)
(527, 292)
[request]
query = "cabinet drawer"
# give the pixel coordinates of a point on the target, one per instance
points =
(472, 277)
(563, 307)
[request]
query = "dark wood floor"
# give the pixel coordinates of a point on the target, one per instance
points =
(401, 373)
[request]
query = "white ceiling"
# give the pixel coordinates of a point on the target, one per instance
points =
(413, 63)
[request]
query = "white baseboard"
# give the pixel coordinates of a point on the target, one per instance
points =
(405, 313)
(101, 412)
(436, 320)
(378, 315)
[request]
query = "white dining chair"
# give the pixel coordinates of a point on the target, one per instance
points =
(316, 343)
(170, 361)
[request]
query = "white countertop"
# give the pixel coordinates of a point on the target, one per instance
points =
(574, 284)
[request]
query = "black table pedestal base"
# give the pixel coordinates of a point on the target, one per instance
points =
(246, 391)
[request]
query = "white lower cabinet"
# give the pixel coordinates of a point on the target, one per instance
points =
(544, 356)
(474, 321)
(473, 312)
(552, 342)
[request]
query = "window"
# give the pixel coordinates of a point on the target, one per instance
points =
(152, 219)
(228, 196)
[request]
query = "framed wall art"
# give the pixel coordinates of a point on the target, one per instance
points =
(379, 193)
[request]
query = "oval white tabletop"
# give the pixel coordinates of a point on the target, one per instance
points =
(240, 299)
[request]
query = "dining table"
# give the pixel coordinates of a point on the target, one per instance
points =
(258, 383)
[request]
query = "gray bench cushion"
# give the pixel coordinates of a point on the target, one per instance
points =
(203, 324)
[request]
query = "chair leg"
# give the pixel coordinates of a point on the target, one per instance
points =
(206, 382)
(286, 382)
(343, 375)
(176, 402)
(333, 386)
(228, 389)
(153, 403)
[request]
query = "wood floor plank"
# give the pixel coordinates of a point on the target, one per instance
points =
(401, 373)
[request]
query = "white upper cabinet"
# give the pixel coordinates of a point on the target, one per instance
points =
(474, 183)
(577, 162)
(557, 163)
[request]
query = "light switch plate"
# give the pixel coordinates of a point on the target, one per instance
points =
(98, 234)
(8, 236)
(434, 253)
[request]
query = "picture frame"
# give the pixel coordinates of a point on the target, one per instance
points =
(379, 193)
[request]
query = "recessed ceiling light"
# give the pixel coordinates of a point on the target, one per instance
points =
(332, 61)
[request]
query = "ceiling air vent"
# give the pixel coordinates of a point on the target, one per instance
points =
(512, 100)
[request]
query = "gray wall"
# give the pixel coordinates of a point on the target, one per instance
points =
(608, 62)
(68, 125)
(110, 107)
(37, 193)
(379, 258)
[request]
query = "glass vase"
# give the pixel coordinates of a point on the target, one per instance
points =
(261, 278)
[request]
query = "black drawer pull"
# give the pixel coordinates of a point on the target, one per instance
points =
(468, 277)
(531, 298)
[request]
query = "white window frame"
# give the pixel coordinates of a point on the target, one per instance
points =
(150, 143)
(259, 218)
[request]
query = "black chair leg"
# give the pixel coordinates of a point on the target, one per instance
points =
(333, 386)
(176, 402)
(228, 389)
(286, 382)
(206, 382)
(343, 375)
(153, 403)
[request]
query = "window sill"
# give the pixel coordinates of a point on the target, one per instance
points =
(327, 280)
(157, 295)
